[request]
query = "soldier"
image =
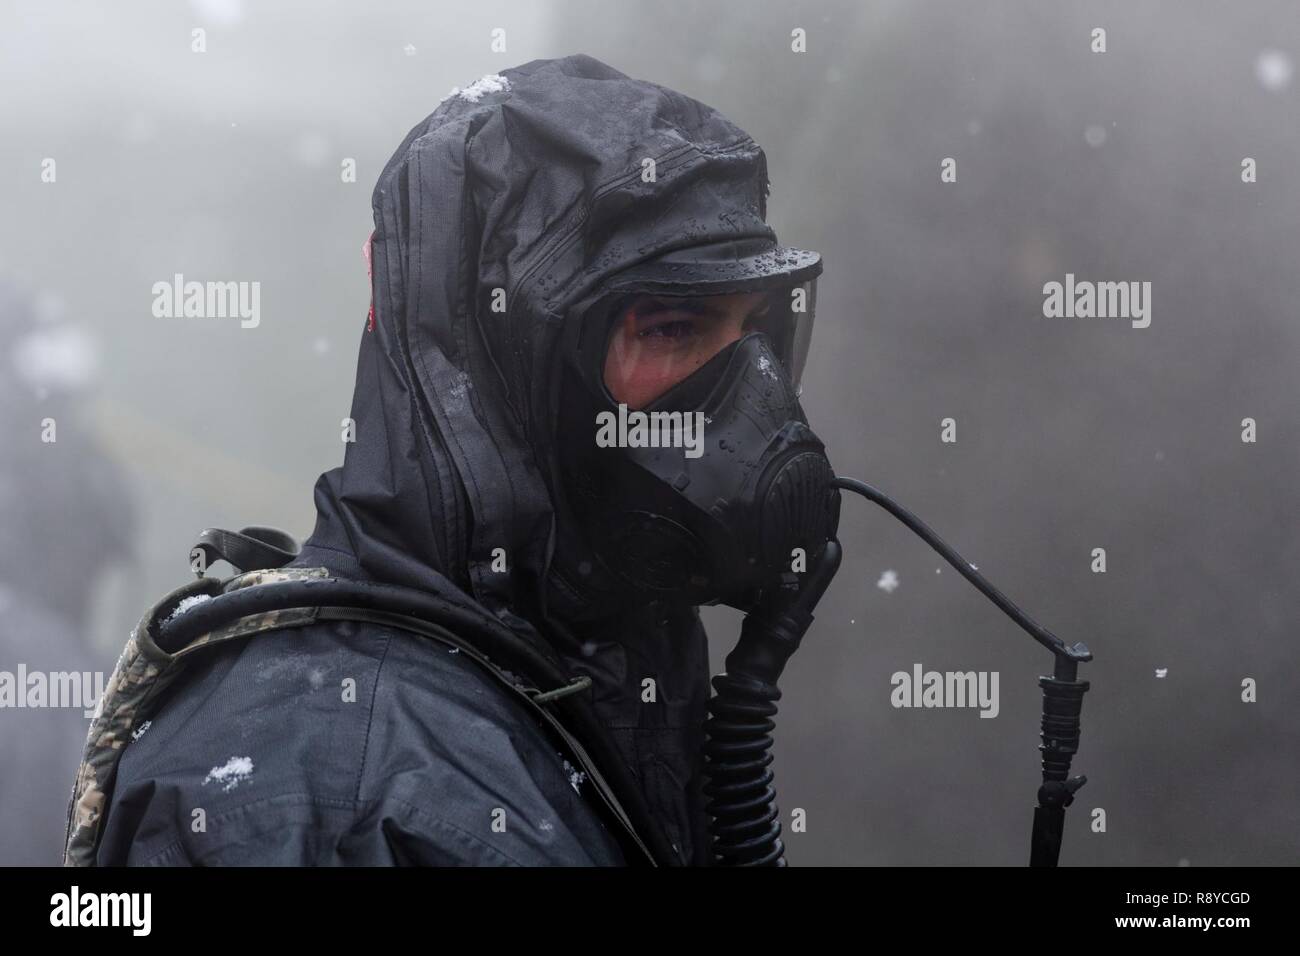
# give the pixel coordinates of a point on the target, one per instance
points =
(552, 243)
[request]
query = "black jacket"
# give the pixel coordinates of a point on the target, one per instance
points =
(533, 183)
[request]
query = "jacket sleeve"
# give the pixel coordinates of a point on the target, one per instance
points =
(257, 758)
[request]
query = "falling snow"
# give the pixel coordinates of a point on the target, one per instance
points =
(888, 582)
(1273, 69)
(227, 13)
(63, 357)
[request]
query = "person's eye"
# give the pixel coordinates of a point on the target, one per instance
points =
(674, 329)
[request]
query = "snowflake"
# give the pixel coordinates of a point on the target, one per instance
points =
(235, 771)
(576, 777)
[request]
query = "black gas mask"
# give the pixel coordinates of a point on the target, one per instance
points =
(718, 491)
(713, 489)
(718, 488)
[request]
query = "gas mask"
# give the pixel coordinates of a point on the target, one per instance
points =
(718, 491)
(718, 487)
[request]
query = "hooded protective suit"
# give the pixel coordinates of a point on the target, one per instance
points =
(518, 198)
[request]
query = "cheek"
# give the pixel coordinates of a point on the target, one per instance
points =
(638, 383)
(636, 373)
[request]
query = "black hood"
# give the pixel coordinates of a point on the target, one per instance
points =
(525, 190)
(516, 199)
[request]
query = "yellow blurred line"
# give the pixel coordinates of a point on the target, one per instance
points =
(142, 444)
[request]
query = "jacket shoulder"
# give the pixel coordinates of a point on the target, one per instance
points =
(340, 743)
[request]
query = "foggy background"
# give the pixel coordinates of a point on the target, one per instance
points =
(1072, 434)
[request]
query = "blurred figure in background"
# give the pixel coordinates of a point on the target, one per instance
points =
(66, 515)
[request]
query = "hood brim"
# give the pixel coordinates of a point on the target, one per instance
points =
(720, 268)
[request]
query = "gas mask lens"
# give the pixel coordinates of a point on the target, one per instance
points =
(656, 341)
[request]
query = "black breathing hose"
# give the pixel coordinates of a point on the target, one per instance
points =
(744, 819)
(737, 749)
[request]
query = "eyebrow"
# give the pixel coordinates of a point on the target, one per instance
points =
(696, 305)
